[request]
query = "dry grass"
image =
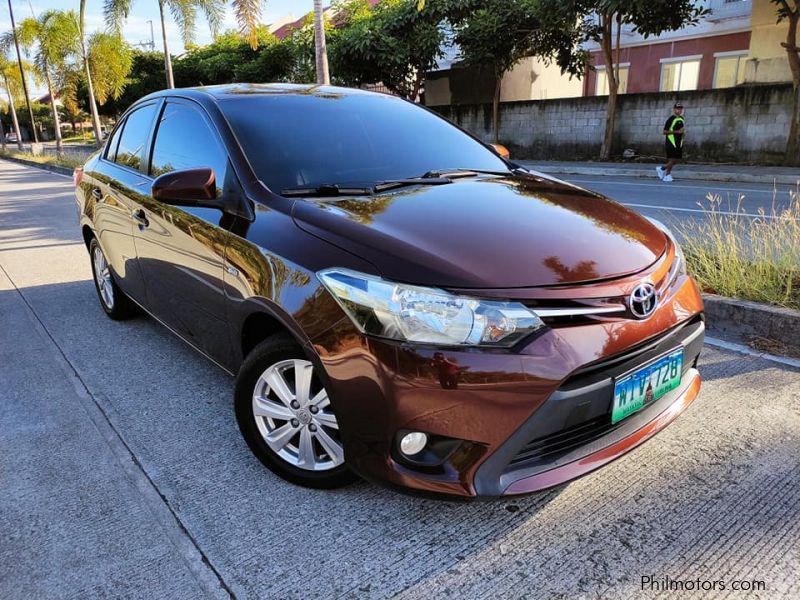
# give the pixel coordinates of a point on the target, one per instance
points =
(65, 160)
(740, 256)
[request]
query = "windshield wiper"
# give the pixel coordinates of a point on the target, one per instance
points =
(426, 179)
(459, 173)
(439, 177)
(328, 189)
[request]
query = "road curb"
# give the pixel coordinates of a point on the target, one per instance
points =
(29, 163)
(743, 319)
(730, 177)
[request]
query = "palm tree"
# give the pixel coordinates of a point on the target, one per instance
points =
(9, 73)
(323, 76)
(22, 74)
(184, 13)
(51, 34)
(98, 134)
(248, 14)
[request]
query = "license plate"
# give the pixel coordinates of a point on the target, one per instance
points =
(646, 384)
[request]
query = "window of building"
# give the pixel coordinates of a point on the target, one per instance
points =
(680, 74)
(601, 88)
(729, 69)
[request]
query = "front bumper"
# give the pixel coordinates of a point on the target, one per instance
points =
(526, 420)
(641, 427)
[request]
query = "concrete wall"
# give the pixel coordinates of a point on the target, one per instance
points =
(744, 124)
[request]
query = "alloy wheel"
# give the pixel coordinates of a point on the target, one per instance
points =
(102, 277)
(294, 416)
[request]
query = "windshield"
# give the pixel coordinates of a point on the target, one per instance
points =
(310, 140)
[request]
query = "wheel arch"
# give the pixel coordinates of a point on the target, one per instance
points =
(88, 235)
(262, 319)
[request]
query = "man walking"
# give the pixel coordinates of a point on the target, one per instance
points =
(673, 130)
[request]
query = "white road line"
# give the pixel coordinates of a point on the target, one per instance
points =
(742, 349)
(665, 186)
(702, 211)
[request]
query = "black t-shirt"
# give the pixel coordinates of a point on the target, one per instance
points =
(677, 128)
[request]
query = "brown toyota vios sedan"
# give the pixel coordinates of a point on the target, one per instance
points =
(396, 299)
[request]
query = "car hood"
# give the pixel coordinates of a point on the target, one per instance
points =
(488, 232)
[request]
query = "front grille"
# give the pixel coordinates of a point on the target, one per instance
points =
(564, 441)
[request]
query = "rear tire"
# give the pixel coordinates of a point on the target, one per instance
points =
(286, 418)
(113, 300)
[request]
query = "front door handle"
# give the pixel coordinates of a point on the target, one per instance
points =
(140, 217)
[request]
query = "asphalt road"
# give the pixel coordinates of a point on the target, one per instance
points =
(122, 473)
(682, 201)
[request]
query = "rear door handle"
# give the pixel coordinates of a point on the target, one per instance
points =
(140, 217)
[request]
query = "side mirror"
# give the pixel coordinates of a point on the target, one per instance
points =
(501, 150)
(187, 187)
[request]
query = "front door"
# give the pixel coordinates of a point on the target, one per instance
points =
(115, 184)
(181, 250)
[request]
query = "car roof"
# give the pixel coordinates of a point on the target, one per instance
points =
(239, 90)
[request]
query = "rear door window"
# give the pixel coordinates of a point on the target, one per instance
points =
(132, 144)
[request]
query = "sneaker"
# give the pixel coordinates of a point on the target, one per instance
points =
(667, 178)
(660, 172)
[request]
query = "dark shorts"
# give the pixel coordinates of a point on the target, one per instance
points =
(673, 152)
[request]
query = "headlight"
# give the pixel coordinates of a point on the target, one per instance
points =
(427, 315)
(678, 267)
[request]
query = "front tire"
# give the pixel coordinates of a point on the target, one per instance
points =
(113, 300)
(286, 417)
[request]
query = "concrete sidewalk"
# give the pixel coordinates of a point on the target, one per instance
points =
(703, 172)
(79, 517)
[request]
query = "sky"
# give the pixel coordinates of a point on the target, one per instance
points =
(137, 29)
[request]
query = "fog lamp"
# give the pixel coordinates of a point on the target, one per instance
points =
(413, 443)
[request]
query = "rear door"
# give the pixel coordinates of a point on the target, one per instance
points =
(181, 250)
(117, 184)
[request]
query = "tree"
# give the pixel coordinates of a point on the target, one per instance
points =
(184, 13)
(22, 73)
(74, 114)
(789, 10)
(321, 50)
(50, 34)
(500, 33)
(146, 76)
(248, 14)
(10, 74)
(230, 58)
(84, 58)
(110, 60)
(393, 43)
(100, 63)
(602, 21)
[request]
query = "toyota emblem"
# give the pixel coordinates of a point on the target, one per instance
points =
(643, 300)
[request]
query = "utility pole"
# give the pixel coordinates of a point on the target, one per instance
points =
(151, 44)
(22, 74)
